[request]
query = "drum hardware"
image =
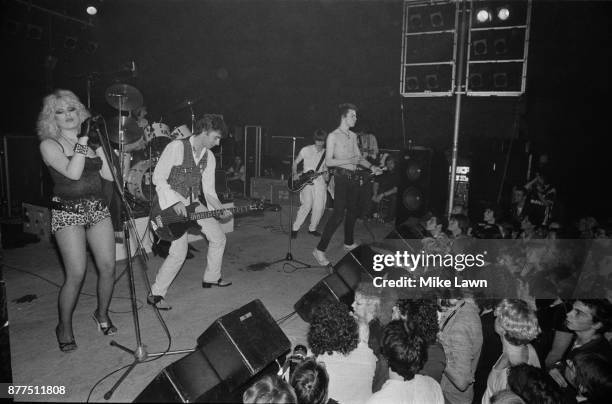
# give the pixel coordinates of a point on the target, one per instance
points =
(124, 129)
(123, 97)
(180, 132)
(188, 103)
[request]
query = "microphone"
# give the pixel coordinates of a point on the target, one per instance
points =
(134, 71)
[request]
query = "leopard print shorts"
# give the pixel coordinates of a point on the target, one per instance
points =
(81, 212)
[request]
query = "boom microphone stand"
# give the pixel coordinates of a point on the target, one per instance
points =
(140, 353)
(289, 256)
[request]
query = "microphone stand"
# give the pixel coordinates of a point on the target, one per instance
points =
(289, 255)
(140, 353)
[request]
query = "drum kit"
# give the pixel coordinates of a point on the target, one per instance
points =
(123, 130)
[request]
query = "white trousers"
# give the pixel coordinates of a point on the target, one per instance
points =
(178, 251)
(313, 197)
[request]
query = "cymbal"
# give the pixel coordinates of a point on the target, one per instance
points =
(131, 131)
(129, 95)
(186, 103)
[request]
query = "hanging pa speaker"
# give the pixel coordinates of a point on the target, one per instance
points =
(414, 184)
(242, 343)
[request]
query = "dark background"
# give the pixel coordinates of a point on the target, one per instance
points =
(285, 65)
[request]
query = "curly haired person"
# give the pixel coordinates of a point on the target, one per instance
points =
(517, 325)
(338, 340)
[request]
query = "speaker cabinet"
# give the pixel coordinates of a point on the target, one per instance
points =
(329, 289)
(242, 343)
(353, 268)
(187, 380)
(414, 184)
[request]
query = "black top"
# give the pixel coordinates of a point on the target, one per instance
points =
(88, 186)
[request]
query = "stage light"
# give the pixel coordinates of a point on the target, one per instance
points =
(483, 15)
(436, 20)
(92, 10)
(475, 80)
(480, 47)
(503, 13)
(70, 42)
(500, 46)
(500, 80)
(412, 83)
(431, 81)
(415, 21)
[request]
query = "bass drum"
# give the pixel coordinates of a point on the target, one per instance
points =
(140, 181)
(155, 130)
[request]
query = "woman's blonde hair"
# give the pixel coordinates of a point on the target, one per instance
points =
(46, 126)
(518, 321)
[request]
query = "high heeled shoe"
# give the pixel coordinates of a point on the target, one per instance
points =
(107, 327)
(65, 346)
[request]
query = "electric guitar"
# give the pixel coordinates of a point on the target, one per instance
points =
(305, 179)
(169, 226)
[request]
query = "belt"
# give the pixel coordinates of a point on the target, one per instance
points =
(354, 175)
(344, 171)
(78, 205)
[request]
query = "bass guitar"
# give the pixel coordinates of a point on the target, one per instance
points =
(169, 226)
(305, 179)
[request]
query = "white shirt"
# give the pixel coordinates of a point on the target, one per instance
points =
(419, 390)
(173, 156)
(350, 376)
(311, 158)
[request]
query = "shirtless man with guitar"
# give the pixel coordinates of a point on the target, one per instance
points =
(343, 154)
(311, 184)
(185, 169)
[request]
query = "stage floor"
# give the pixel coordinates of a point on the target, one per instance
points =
(33, 275)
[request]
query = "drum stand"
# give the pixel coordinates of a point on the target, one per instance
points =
(289, 256)
(140, 353)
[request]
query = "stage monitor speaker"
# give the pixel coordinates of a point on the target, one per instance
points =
(329, 289)
(242, 343)
(353, 268)
(414, 183)
(190, 379)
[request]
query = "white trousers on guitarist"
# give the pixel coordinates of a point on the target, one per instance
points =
(312, 198)
(178, 252)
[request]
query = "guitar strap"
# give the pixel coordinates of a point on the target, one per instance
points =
(320, 162)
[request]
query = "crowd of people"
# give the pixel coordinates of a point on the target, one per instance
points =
(464, 350)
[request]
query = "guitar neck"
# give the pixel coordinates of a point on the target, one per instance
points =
(212, 213)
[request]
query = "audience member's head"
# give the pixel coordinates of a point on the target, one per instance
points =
(404, 348)
(459, 224)
(534, 385)
(333, 329)
(590, 315)
(310, 381)
(506, 397)
(366, 305)
(516, 322)
(423, 314)
(269, 390)
(593, 376)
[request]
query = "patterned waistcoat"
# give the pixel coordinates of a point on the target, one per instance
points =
(187, 177)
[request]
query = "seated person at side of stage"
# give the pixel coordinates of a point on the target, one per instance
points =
(385, 188)
(236, 175)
